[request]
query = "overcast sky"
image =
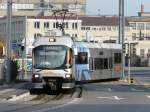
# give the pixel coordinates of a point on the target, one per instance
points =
(110, 7)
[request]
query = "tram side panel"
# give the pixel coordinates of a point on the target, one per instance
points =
(100, 64)
(97, 63)
(116, 64)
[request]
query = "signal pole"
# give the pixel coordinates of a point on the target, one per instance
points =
(9, 15)
(121, 34)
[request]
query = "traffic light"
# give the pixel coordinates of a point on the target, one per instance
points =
(124, 48)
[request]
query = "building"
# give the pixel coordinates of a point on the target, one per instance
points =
(103, 28)
(94, 28)
(42, 7)
(141, 32)
(26, 29)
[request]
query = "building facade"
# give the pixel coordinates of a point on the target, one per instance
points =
(42, 7)
(141, 34)
(103, 28)
(95, 28)
(26, 29)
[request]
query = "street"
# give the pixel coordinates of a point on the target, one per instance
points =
(96, 97)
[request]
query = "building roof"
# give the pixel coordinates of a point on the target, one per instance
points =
(138, 19)
(51, 17)
(101, 21)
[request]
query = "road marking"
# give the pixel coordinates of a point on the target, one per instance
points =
(111, 98)
(103, 89)
(148, 96)
(74, 101)
(137, 90)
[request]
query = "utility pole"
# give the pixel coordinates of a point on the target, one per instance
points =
(9, 42)
(121, 34)
(129, 63)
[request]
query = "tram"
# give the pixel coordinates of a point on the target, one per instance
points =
(59, 61)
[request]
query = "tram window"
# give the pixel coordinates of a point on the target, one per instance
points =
(82, 58)
(117, 58)
(91, 64)
(98, 63)
(110, 62)
(105, 63)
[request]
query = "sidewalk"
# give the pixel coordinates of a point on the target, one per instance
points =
(10, 91)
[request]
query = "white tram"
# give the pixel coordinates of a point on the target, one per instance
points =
(58, 62)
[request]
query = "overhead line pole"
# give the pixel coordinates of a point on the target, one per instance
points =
(9, 41)
(121, 34)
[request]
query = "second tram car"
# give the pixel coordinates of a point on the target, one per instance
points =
(58, 62)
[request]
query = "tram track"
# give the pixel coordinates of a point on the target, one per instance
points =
(39, 100)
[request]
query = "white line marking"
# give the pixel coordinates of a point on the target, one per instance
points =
(111, 98)
(147, 96)
(75, 100)
(105, 98)
(117, 98)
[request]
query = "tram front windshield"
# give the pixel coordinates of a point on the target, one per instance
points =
(51, 57)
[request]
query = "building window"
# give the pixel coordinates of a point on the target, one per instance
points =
(100, 29)
(37, 35)
(74, 25)
(142, 51)
(82, 28)
(133, 36)
(94, 29)
(54, 25)
(66, 25)
(37, 25)
(114, 28)
(103, 28)
(140, 26)
(87, 28)
(133, 25)
(46, 24)
(109, 28)
(148, 26)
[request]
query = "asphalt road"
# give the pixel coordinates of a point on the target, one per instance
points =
(115, 96)
(98, 97)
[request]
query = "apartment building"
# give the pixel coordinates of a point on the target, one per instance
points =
(42, 7)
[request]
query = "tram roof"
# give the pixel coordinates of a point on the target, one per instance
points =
(98, 45)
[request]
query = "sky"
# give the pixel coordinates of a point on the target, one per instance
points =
(110, 7)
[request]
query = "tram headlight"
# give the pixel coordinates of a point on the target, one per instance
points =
(36, 78)
(68, 76)
(36, 75)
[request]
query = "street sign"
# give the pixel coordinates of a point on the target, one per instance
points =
(14, 45)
